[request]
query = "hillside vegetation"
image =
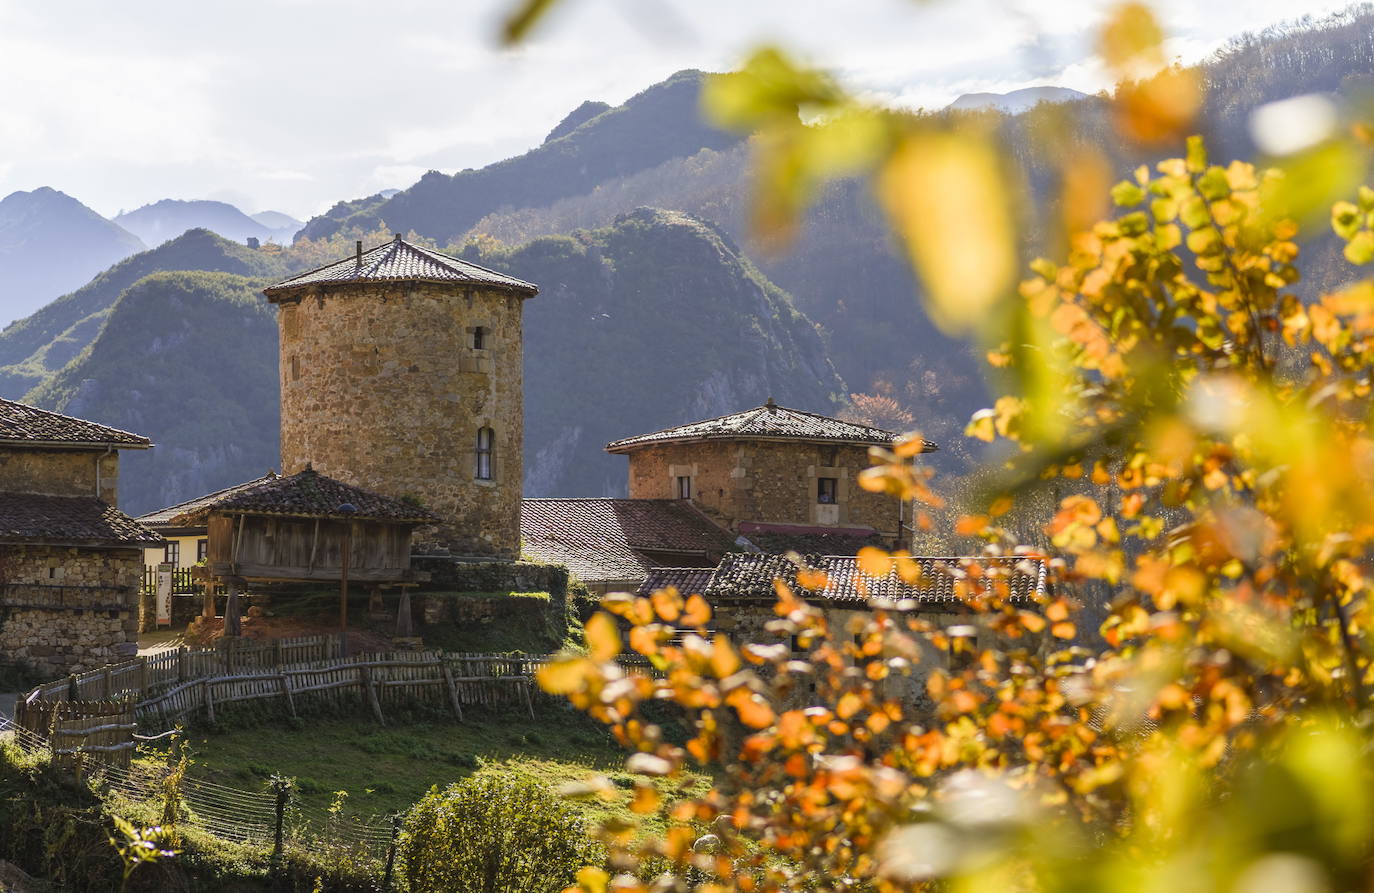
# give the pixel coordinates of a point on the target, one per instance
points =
(38, 346)
(190, 360)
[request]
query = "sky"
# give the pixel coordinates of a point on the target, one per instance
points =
(292, 105)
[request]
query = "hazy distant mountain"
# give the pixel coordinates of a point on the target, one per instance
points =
(50, 243)
(38, 346)
(280, 223)
(1016, 101)
(662, 122)
(169, 218)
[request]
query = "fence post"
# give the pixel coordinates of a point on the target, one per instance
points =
(283, 788)
(183, 657)
(73, 688)
(142, 674)
(391, 853)
(366, 678)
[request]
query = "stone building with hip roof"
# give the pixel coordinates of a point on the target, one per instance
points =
(71, 564)
(401, 372)
(783, 478)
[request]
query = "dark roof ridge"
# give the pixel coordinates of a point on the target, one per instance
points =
(271, 475)
(24, 424)
(773, 422)
(281, 495)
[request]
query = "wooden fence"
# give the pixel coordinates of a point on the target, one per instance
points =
(182, 581)
(175, 686)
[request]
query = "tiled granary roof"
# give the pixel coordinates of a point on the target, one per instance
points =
(804, 539)
(163, 517)
(769, 422)
(24, 424)
(400, 261)
(306, 494)
(605, 541)
(75, 520)
(942, 580)
(687, 580)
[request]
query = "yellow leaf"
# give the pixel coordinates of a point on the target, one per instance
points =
(602, 637)
(874, 561)
(564, 674)
(593, 879)
(947, 195)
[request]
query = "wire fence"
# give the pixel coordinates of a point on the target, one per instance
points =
(256, 818)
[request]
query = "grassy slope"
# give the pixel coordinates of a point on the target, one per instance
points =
(386, 770)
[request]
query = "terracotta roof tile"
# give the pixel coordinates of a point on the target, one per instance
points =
(400, 261)
(84, 520)
(24, 424)
(943, 580)
(768, 421)
(306, 494)
(617, 540)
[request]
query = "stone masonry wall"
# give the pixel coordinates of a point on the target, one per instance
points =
(382, 388)
(65, 610)
(765, 481)
(59, 472)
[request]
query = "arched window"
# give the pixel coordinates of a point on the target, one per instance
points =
(485, 437)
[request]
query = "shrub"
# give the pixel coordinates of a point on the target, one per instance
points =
(491, 834)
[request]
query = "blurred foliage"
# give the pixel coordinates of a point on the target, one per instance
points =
(1204, 433)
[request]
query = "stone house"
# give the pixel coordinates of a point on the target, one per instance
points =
(402, 373)
(611, 544)
(783, 478)
(71, 564)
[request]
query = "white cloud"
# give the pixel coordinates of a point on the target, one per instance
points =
(300, 103)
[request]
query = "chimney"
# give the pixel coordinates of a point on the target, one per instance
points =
(771, 405)
(359, 256)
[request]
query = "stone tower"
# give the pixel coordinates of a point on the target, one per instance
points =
(401, 373)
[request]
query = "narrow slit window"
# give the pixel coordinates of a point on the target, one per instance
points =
(684, 487)
(826, 490)
(479, 338)
(485, 436)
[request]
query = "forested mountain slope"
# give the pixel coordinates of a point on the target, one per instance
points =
(190, 360)
(33, 348)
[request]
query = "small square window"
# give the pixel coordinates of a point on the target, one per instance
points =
(827, 490)
(684, 487)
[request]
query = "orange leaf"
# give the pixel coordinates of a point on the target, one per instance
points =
(603, 639)
(698, 611)
(1064, 630)
(668, 603)
(646, 799)
(874, 561)
(724, 660)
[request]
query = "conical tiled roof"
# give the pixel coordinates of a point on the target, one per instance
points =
(400, 261)
(768, 422)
